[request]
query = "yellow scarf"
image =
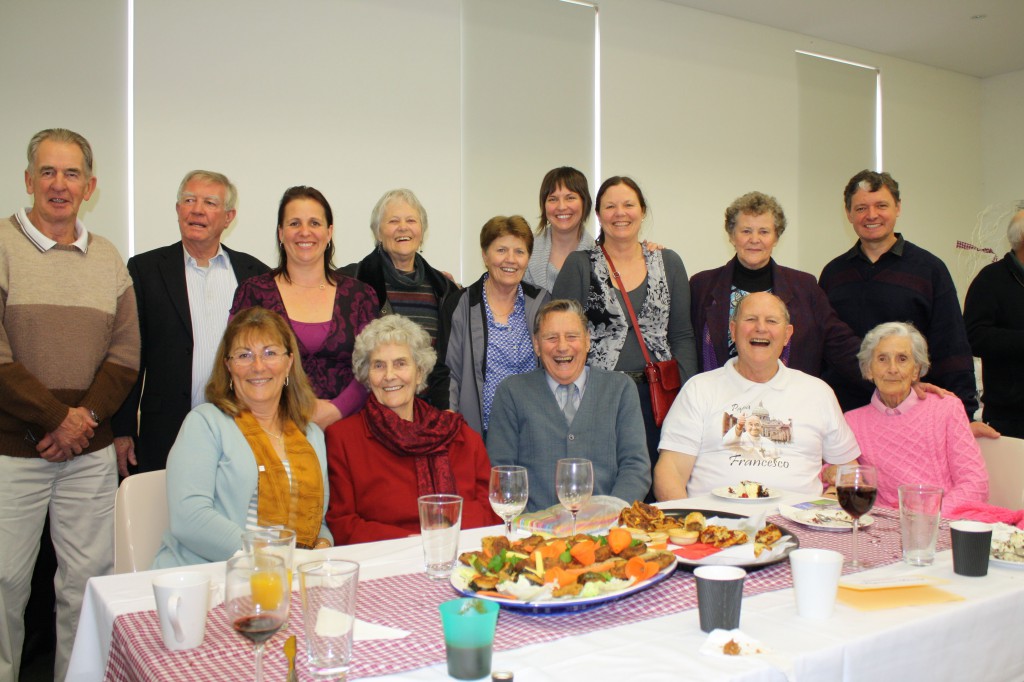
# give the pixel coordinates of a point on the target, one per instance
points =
(298, 505)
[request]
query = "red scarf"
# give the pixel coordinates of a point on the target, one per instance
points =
(428, 438)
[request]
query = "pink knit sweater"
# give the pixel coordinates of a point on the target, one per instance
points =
(921, 441)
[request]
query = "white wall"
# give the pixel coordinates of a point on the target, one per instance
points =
(360, 96)
(1003, 137)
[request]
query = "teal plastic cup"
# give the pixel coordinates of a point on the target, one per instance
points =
(469, 636)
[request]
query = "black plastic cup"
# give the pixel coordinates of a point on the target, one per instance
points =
(719, 596)
(972, 544)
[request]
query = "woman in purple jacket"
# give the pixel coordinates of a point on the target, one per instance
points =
(754, 222)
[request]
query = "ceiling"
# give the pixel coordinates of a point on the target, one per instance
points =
(940, 33)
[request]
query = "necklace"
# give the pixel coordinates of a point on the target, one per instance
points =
(278, 436)
(321, 286)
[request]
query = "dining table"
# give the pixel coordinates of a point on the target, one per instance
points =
(653, 634)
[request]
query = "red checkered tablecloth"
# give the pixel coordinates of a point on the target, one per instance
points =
(409, 602)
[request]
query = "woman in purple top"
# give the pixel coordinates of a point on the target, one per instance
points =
(327, 310)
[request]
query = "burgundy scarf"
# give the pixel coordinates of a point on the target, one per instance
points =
(427, 437)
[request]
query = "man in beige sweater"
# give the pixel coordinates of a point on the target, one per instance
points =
(69, 353)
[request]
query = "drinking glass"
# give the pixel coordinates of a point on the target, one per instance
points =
(856, 488)
(508, 494)
(328, 612)
(574, 483)
(256, 599)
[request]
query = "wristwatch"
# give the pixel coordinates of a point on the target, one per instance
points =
(95, 417)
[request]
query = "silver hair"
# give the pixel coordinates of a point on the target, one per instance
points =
(400, 194)
(60, 135)
(918, 345)
(400, 331)
(736, 311)
(1015, 230)
(230, 192)
(560, 305)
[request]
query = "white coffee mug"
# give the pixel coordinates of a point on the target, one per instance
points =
(182, 600)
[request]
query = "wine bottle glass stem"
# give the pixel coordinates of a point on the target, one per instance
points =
(856, 524)
(259, 663)
(508, 529)
(574, 523)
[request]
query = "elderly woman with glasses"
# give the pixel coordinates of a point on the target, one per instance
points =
(399, 447)
(251, 456)
(324, 308)
(910, 439)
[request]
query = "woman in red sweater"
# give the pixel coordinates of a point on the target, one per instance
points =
(399, 447)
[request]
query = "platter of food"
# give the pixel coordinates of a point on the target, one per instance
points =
(746, 491)
(728, 539)
(558, 575)
(824, 518)
(1008, 549)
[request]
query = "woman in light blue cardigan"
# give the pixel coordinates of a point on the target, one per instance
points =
(250, 456)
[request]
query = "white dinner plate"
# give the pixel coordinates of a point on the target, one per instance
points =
(561, 604)
(824, 519)
(724, 492)
(1019, 565)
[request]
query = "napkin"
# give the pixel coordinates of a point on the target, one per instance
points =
(363, 631)
(717, 639)
(597, 515)
(737, 554)
(894, 597)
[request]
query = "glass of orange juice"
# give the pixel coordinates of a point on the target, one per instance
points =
(276, 540)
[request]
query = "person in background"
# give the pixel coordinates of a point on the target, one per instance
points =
(755, 223)
(69, 354)
(884, 278)
(400, 447)
(567, 409)
(251, 456)
(909, 439)
(491, 323)
(994, 315)
(656, 284)
(797, 422)
(405, 283)
(325, 309)
(184, 293)
(565, 205)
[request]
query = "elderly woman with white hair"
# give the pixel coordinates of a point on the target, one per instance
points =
(907, 438)
(399, 447)
(405, 283)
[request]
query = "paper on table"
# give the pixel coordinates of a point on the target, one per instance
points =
(363, 631)
(894, 597)
(717, 639)
(858, 581)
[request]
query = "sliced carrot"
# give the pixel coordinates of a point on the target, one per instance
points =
(619, 539)
(566, 576)
(635, 568)
(553, 549)
(650, 569)
(495, 595)
(584, 552)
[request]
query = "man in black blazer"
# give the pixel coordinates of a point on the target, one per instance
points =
(184, 292)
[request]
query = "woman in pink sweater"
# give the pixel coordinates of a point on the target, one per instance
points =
(911, 439)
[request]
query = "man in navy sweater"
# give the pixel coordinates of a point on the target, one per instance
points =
(885, 278)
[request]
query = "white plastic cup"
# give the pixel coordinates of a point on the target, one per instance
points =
(815, 581)
(182, 601)
(440, 522)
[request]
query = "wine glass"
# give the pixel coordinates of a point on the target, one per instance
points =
(574, 483)
(256, 599)
(856, 488)
(509, 493)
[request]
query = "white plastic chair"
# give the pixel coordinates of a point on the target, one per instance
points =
(1004, 459)
(140, 519)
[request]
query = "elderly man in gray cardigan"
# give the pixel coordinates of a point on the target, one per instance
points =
(568, 409)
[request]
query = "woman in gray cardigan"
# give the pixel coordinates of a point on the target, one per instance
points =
(491, 321)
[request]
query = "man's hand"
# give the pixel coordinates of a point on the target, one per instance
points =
(124, 446)
(70, 438)
(923, 388)
(983, 430)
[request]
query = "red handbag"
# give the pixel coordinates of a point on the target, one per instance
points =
(663, 378)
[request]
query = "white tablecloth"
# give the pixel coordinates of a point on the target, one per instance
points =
(976, 639)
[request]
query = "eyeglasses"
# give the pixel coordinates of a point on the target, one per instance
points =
(270, 356)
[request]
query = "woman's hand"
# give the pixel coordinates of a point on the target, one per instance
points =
(326, 414)
(923, 388)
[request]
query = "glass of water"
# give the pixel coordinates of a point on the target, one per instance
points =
(440, 521)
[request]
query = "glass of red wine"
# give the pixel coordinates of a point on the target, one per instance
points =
(256, 598)
(856, 488)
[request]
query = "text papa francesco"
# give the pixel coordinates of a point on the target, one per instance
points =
(740, 461)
